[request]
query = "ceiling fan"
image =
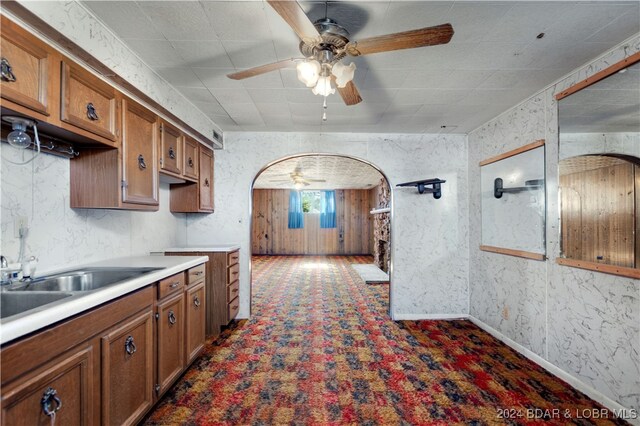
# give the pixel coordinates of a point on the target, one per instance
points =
(324, 43)
(298, 179)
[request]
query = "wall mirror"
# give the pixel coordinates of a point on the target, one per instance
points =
(513, 202)
(599, 171)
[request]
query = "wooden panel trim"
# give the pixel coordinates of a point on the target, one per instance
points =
(51, 33)
(516, 253)
(600, 267)
(525, 148)
(599, 76)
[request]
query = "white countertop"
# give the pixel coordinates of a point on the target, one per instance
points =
(19, 325)
(211, 248)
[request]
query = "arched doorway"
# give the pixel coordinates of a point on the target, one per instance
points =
(292, 172)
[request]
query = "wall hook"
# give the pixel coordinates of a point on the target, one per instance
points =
(499, 189)
(422, 186)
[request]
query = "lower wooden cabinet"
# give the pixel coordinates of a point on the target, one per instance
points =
(127, 370)
(62, 388)
(195, 322)
(171, 328)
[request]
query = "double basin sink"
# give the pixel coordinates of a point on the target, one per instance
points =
(22, 297)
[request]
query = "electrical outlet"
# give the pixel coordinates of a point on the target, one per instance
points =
(21, 222)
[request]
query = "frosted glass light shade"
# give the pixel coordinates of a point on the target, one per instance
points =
(344, 73)
(308, 72)
(323, 88)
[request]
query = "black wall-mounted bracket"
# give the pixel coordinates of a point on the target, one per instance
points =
(499, 189)
(422, 185)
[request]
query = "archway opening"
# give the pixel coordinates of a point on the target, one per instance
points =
(316, 210)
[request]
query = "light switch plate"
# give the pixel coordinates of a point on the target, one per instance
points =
(20, 223)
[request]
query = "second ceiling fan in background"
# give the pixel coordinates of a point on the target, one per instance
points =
(325, 43)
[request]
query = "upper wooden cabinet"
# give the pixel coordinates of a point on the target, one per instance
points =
(206, 179)
(196, 197)
(88, 103)
(171, 141)
(140, 170)
(191, 158)
(26, 71)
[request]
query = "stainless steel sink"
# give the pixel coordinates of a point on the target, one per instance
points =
(82, 279)
(17, 302)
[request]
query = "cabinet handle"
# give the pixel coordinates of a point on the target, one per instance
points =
(91, 112)
(235, 290)
(130, 346)
(175, 284)
(196, 301)
(190, 162)
(172, 318)
(198, 273)
(141, 162)
(49, 397)
(172, 153)
(6, 71)
(206, 182)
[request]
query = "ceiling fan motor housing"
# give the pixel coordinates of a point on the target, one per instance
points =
(331, 47)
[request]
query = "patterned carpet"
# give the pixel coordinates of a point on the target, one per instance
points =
(321, 350)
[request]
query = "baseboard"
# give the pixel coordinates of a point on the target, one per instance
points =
(418, 317)
(556, 371)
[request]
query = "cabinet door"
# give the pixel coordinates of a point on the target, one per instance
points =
(171, 327)
(88, 103)
(139, 154)
(206, 179)
(62, 388)
(127, 370)
(190, 157)
(25, 69)
(170, 149)
(195, 321)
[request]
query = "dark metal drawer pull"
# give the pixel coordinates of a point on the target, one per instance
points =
(6, 71)
(130, 346)
(141, 162)
(50, 397)
(206, 182)
(196, 301)
(91, 112)
(172, 318)
(172, 152)
(198, 273)
(175, 284)
(190, 162)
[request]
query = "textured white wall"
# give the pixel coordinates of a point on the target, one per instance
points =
(586, 323)
(60, 236)
(429, 236)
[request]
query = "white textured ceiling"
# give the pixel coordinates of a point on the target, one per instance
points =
(607, 106)
(336, 172)
(493, 62)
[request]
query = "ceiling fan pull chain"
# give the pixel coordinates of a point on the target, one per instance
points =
(324, 109)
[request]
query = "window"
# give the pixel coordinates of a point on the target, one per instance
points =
(311, 201)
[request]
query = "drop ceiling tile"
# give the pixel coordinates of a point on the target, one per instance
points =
(620, 28)
(287, 48)
(561, 56)
(430, 110)
(523, 22)
(203, 54)
(495, 97)
(181, 20)
(270, 80)
(408, 15)
(211, 108)
(180, 77)
(382, 95)
(226, 96)
(303, 96)
(586, 20)
(216, 78)
(125, 18)
(400, 110)
(238, 20)
(198, 94)
(156, 53)
(446, 79)
(248, 54)
(243, 114)
(520, 79)
(377, 78)
(273, 109)
(492, 56)
(268, 96)
(428, 96)
(290, 79)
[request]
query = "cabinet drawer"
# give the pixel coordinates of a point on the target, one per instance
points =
(232, 290)
(233, 273)
(233, 257)
(190, 158)
(171, 285)
(195, 274)
(88, 103)
(234, 306)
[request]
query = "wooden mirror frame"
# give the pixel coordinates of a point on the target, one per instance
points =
(583, 264)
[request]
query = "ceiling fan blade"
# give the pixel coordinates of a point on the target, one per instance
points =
(316, 180)
(429, 36)
(293, 14)
(350, 94)
(252, 72)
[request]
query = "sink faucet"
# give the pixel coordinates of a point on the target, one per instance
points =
(4, 267)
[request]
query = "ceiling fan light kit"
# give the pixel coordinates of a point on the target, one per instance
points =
(324, 43)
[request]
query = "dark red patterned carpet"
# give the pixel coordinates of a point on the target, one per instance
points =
(320, 349)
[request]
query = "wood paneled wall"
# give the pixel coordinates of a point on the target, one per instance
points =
(598, 215)
(270, 233)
